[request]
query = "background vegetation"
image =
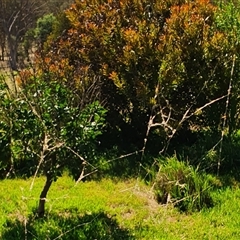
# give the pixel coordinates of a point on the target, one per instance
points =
(106, 90)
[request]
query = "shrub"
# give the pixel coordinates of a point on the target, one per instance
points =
(169, 56)
(182, 185)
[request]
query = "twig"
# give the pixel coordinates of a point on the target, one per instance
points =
(225, 114)
(80, 157)
(122, 156)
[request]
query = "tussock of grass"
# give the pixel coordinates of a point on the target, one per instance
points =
(184, 186)
(110, 209)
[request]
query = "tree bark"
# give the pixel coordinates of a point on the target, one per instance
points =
(13, 52)
(43, 195)
(2, 50)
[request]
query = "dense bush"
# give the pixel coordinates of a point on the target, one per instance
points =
(164, 58)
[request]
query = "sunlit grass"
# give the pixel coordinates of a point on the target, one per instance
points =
(110, 209)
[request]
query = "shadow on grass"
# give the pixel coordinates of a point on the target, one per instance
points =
(67, 225)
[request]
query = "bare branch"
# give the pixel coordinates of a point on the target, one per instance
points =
(226, 111)
(166, 117)
(79, 156)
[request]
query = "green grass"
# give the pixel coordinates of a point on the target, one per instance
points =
(110, 209)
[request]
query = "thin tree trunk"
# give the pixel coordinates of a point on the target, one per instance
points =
(13, 58)
(2, 51)
(13, 52)
(43, 195)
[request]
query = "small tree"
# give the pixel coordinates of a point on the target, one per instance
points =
(52, 128)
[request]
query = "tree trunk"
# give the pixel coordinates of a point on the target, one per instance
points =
(2, 51)
(13, 52)
(43, 195)
(13, 58)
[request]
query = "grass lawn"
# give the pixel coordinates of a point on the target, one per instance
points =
(110, 209)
